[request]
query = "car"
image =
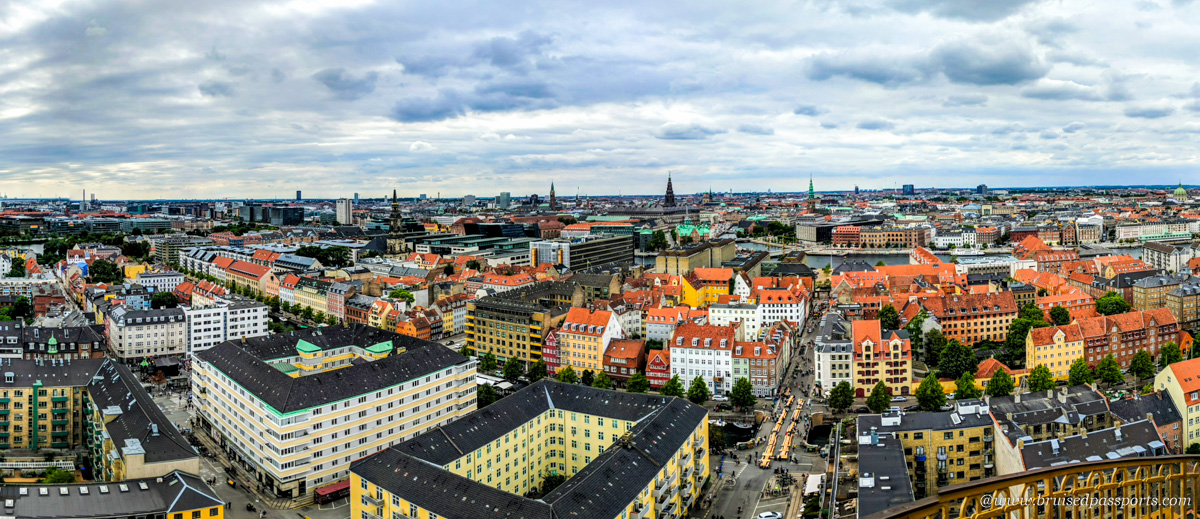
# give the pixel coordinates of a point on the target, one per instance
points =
(724, 406)
(769, 515)
(720, 398)
(911, 408)
(862, 410)
(899, 399)
(946, 407)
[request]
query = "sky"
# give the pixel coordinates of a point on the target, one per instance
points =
(237, 99)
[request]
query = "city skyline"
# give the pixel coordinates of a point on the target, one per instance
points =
(262, 99)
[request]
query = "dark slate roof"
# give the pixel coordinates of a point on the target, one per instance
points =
(853, 265)
(1130, 440)
(76, 373)
(1159, 406)
(114, 385)
(885, 471)
(940, 421)
(244, 362)
(175, 492)
(602, 489)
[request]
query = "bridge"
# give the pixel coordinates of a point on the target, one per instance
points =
(1126, 488)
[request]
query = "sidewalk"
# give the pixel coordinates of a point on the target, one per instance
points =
(242, 477)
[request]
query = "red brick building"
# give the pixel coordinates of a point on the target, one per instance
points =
(658, 367)
(623, 358)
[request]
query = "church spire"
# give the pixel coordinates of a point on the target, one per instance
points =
(553, 200)
(669, 200)
(811, 194)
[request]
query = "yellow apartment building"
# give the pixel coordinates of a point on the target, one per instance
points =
(1055, 347)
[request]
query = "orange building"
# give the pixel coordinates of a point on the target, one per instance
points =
(881, 356)
(974, 317)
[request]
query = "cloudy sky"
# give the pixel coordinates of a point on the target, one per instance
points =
(225, 98)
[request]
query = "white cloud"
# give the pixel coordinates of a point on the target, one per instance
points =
(420, 146)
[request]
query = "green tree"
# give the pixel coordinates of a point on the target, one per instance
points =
(673, 387)
(465, 350)
(17, 270)
(1142, 365)
(513, 369)
(1108, 371)
(915, 335)
(1040, 379)
(956, 360)
(841, 397)
(638, 383)
(318, 317)
(935, 344)
(1032, 312)
(551, 481)
(163, 300)
(275, 304)
(930, 395)
(742, 395)
(1081, 373)
(331, 320)
(448, 269)
(1170, 354)
(964, 387)
(1060, 316)
(537, 371)
(487, 362)
(1014, 342)
(485, 395)
(698, 393)
(57, 476)
(567, 375)
(587, 378)
(1001, 384)
(402, 294)
(473, 265)
(879, 400)
(889, 318)
(880, 263)
(1194, 448)
(1111, 303)
(307, 313)
(23, 308)
(104, 271)
(658, 241)
(602, 381)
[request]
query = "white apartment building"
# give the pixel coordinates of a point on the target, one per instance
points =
(345, 212)
(748, 314)
(705, 351)
(224, 320)
(134, 334)
(299, 408)
(834, 353)
(782, 304)
(160, 281)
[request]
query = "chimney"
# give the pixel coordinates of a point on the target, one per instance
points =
(1017, 397)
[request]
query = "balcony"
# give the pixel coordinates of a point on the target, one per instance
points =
(59, 398)
(660, 489)
(60, 433)
(687, 458)
(371, 499)
(59, 422)
(987, 437)
(60, 410)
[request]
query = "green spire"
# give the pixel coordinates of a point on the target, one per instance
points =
(811, 193)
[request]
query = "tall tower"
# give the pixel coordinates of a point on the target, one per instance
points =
(812, 196)
(395, 239)
(553, 201)
(669, 201)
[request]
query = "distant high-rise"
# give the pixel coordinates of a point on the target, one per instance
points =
(909, 190)
(355, 199)
(423, 197)
(297, 195)
(669, 200)
(981, 189)
(856, 190)
(553, 200)
(504, 200)
(468, 200)
(345, 212)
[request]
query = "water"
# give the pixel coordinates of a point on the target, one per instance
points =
(818, 262)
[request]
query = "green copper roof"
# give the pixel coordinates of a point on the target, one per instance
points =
(52, 341)
(383, 347)
(307, 347)
(285, 367)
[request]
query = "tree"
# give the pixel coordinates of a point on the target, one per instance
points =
(159, 379)
(638, 383)
(1081, 373)
(448, 270)
(587, 378)
(1194, 448)
(889, 318)
(473, 265)
(1001, 384)
(487, 362)
(465, 350)
(485, 395)
(332, 257)
(935, 344)
(915, 335)
(1031, 312)
(602, 381)
(1170, 354)
(17, 270)
(307, 313)
(275, 304)
(104, 271)
(22, 307)
(163, 300)
(1142, 365)
(1060, 316)
(551, 481)
(879, 400)
(841, 397)
(57, 476)
(513, 369)
(537, 371)
(698, 394)
(402, 294)
(1041, 379)
(658, 241)
(1014, 342)
(673, 387)
(318, 317)
(880, 263)
(567, 375)
(742, 395)
(956, 360)
(136, 249)
(930, 395)
(1108, 371)
(1111, 303)
(965, 388)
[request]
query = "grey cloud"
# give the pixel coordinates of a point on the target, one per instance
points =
(1116, 86)
(875, 124)
(345, 85)
(214, 88)
(1049, 135)
(1050, 31)
(756, 129)
(686, 131)
(870, 67)
(809, 110)
(1008, 129)
(1074, 58)
(507, 52)
(1051, 90)
(1003, 64)
(969, 10)
(418, 110)
(214, 54)
(1193, 106)
(965, 100)
(1073, 127)
(1149, 112)
(829, 126)
(278, 75)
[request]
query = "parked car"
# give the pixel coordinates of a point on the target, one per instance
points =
(899, 399)
(724, 406)
(862, 410)
(912, 408)
(947, 407)
(720, 398)
(770, 515)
